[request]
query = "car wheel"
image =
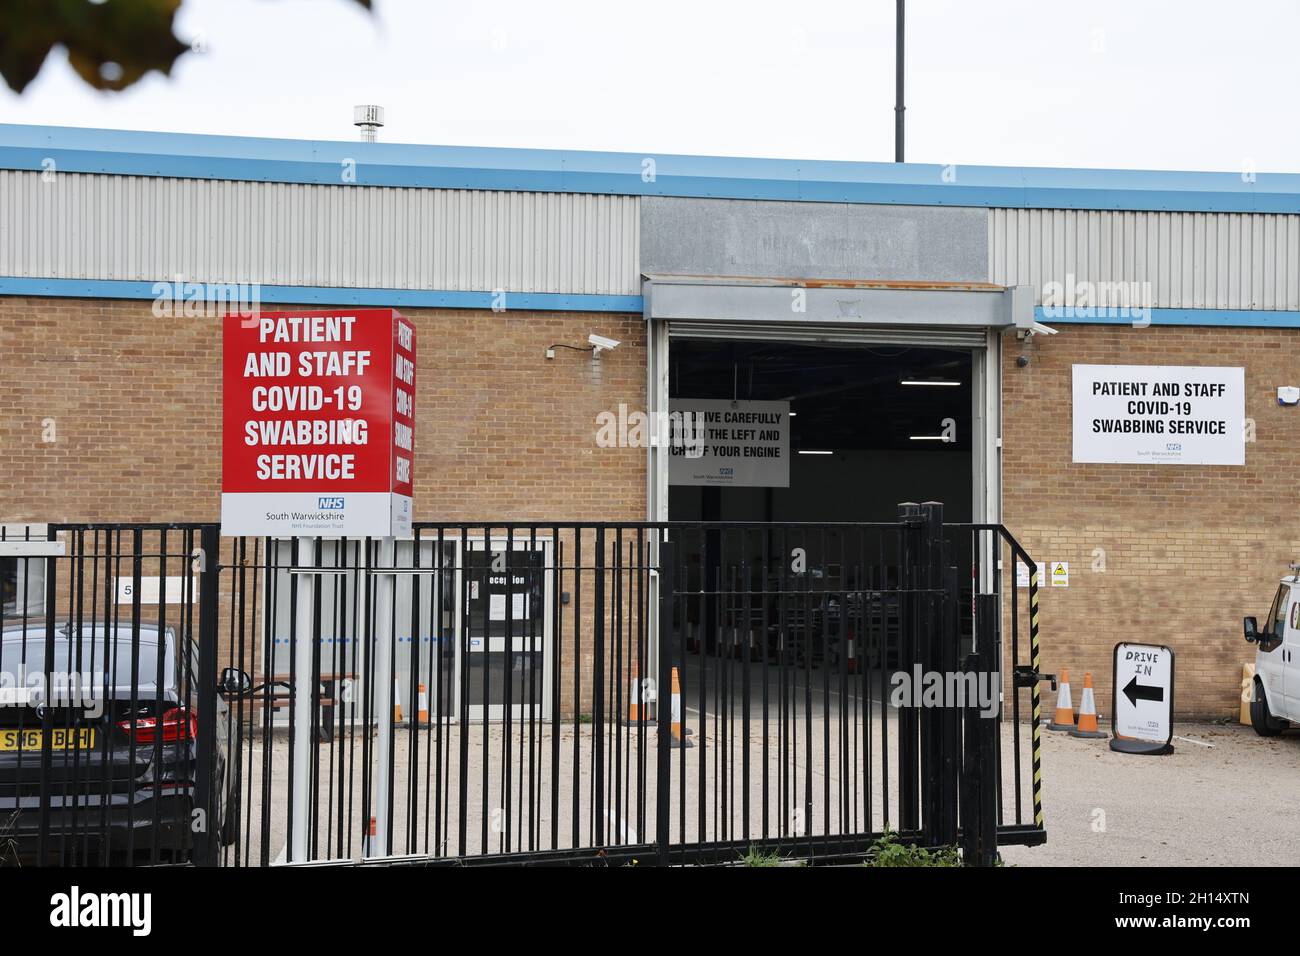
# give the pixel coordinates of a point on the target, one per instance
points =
(1264, 723)
(228, 832)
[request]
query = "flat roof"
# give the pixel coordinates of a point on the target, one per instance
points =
(193, 156)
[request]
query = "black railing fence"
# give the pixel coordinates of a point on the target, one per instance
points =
(518, 693)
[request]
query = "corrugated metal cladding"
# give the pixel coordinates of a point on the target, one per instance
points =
(1191, 260)
(144, 228)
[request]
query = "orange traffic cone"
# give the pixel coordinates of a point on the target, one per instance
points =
(679, 735)
(423, 714)
(368, 845)
(638, 712)
(692, 639)
(1087, 712)
(1064, 719)
(397, 702)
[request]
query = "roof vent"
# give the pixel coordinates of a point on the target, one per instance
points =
(368, 118)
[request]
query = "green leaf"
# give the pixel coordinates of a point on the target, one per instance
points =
(111, 45)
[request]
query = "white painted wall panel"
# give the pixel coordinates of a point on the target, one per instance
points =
(148, 229)
(1191, 260)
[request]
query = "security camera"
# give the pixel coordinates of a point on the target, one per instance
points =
(1036, 328)
(601, 344)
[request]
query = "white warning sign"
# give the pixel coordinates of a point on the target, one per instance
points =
(1060, 574)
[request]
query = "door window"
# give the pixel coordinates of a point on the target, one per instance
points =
(1277, 614)
(22, 587)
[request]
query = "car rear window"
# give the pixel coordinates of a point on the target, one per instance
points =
(96, 661)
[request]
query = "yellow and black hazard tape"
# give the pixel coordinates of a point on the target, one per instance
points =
(1036, 697)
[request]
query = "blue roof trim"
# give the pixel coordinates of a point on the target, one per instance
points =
(324, 295)
(1223, 318)
(562, 302)
(193, 156)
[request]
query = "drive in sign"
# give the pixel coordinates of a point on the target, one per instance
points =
(318, 423)
(1142, 721)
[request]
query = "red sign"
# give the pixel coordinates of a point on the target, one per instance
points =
(318, 423)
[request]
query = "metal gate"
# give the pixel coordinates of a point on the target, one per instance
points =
(519, 693)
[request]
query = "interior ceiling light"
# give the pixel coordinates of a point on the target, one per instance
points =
(929, 437)
(937, 382)
(815, 451)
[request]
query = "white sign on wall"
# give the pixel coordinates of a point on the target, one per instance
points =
(151, 589)
(1144, 696)
(734, 444)
(1022, 574)
(1159, 414)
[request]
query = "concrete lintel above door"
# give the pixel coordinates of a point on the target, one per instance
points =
(800, 301)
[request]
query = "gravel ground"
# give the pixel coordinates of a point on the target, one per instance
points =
(1224, 797)
(1232, 803)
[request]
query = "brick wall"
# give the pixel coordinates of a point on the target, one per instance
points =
(505, 433)
(135, 402)
(1188, 550)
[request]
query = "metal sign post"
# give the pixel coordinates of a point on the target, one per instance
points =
(382, 669)
(1143, 686)
(303, 687)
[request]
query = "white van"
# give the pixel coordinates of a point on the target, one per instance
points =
(1275, 697)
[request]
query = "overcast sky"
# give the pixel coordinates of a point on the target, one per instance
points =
(1109, 83)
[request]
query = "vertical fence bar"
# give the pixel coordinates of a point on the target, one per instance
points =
(383, 671)
(47, 753)
(599, 808)
(204, 790)
(663, 699)
(940, 639)
(949, 731)
(909, 607)
(980, 766)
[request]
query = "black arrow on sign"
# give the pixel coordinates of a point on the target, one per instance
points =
(1135, 692)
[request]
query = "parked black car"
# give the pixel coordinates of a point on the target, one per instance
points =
(106, 738)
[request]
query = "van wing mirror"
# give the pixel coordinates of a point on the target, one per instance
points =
(1251, 629)
(234, 682)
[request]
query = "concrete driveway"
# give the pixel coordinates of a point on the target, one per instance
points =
(1225, 797)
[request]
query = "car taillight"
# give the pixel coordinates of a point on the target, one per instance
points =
(175, 725)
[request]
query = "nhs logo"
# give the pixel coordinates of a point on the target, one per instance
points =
(329, 504)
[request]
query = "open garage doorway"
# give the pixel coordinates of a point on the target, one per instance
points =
(866, 426)
(869, 426)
